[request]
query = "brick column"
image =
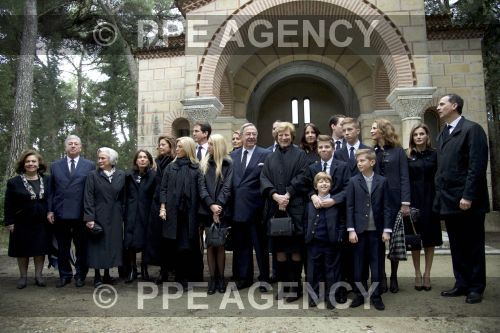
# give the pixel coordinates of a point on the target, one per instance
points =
(202, 109)
(410, 104)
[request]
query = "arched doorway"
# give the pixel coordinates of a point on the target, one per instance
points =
(180, 127)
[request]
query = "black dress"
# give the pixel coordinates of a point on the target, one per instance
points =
(103, 203)
(139, 191)
(422, 169)
(31, 236)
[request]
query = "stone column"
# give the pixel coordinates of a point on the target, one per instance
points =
(410, 104)
(202, 109)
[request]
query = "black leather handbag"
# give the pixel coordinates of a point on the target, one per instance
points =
(280, 226)
(215, 235)
(413, 240)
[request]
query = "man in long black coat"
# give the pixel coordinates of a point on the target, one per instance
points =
(462, 196)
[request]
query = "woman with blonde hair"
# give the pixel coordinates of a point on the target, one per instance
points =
(178, 208)
(393, 165)
(214, 185)
(422, 165)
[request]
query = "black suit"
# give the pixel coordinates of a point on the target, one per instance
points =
(248, 229)
(461, 173)
(343, 155)
(370, 247)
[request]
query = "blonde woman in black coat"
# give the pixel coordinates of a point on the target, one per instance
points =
(25, 213)
(214, 185)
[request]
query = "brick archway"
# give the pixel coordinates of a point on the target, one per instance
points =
(391, 46)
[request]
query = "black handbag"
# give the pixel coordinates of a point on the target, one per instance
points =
(280, 226)
(97, 230)
(413, 241)
(215, 235)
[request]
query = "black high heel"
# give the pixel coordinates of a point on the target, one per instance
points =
(427, 287)
(394, 288)
(40, 282)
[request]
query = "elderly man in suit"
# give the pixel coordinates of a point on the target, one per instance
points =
(248, 229)
(462, 196)
(65, 206)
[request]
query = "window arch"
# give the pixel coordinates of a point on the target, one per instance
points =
(180, 127)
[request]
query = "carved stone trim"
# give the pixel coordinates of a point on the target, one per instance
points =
(202, 109)
(410, 102)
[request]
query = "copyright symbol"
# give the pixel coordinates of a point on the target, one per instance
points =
(105, 296)
(105, 33)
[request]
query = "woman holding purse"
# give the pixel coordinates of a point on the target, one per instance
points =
(214, 185)
(422, 164)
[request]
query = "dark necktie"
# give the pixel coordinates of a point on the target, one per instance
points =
(198, 154)
(446, 132)
(351, 154)
(244, 161)
(72, 168)
(275, 147)
(324, 166)
(337, 145)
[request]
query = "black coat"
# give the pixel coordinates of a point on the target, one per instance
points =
(359, 201)
(31, 234)
(155, 254)
(392, 163)
(335, 226)
(169, 196)
(139, 196)
(422, 168)
(283, 172)
(104, 203)
(461, 173)
(343, 155)
(215, 190)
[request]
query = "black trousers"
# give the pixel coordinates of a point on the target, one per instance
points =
(247, 237)
(369, 250)
(323, 265)
(67, 231)
(466, 236)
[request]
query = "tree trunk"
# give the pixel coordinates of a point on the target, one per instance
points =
(24, 87)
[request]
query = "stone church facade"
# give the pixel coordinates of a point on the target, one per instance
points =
(412, 60)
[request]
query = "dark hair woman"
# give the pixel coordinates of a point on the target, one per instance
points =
(214, 185)
(179, 199)
(25, 213)
(309, 142)
(140, 186)
(422, 165)
(157, 247)
(280, 184)
(103, 207)
(393, 165)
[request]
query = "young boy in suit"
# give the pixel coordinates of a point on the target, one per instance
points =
(323, 236)
(369, 225)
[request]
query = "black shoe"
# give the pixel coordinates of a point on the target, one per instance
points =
(329, 305)
(263, 289)
(357, 301)
(22, 283)
(312, 304)
(108, 279)
(341, 296)
(378, 304)
(132, 275)
(394, 288)
(297, 292)
(473, 298)
(40, 282)
(63, 282)
(211, 287)
(144, 273)
(221, 285)
(97, 282)
(243, 284)
(79, 283)
(454, 292)
(161, 278)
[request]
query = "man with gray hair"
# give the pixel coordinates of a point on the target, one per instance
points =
(247, 229)
(65, 206)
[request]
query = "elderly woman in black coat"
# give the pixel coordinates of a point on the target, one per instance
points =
(103, 208)
(214, 185)
(282, 185)
(25, 213)
(140, 187)
(179, 200)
